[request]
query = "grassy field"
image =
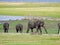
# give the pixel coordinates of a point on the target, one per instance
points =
(33, 9)
(26, 5)
(28, 39)
(13, 38)
(42, 11)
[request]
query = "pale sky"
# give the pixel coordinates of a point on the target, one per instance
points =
(29, 0)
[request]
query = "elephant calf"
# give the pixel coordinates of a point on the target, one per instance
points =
(19, 27)
(6, 27)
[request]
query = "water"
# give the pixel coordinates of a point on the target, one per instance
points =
(29, 0)
(3, 18)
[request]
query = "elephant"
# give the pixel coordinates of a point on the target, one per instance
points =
(19, 27)
(36, 23)
(6, 27)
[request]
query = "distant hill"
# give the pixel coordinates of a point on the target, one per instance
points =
(29, 0)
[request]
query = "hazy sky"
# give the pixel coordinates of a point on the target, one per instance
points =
(29, 0)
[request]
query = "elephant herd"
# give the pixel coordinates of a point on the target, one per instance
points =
(37, 24)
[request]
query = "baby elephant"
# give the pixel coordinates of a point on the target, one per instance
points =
(6, 27)
(19, 27)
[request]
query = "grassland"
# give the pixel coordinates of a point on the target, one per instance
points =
(27, 39)
(33, 9)
(42, 11)
(13, 38)
(26, 5)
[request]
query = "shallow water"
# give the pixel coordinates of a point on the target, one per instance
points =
(11, 18)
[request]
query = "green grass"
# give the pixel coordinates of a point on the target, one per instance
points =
(28, 39)
(33, 9)
(42, 11)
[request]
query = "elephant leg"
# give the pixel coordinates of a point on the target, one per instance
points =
(45, 29)
(31, 30)
(7, 30)
(58, 31)
(4, 30)
(28, 30)
(20, 30)
(17, 30)
(40, 30)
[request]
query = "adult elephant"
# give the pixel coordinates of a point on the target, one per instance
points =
(36, 23)
(6, 27)
(19, 27)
